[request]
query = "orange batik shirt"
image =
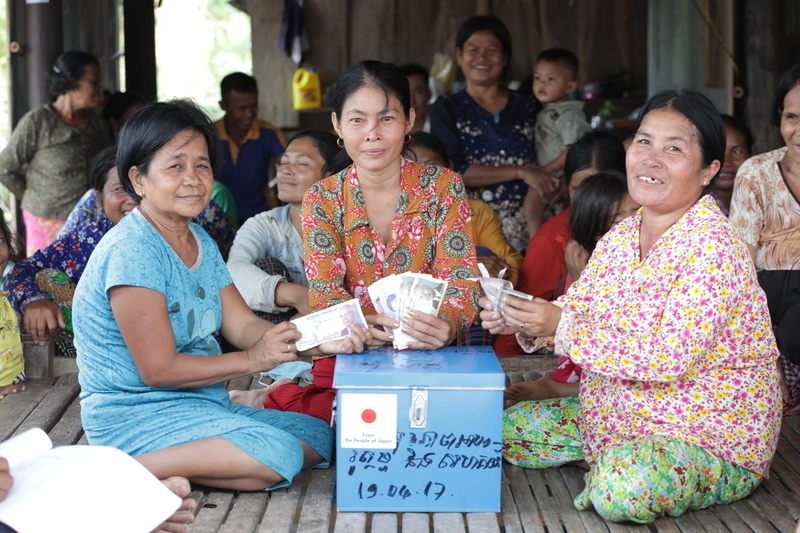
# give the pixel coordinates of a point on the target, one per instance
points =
(430, 234)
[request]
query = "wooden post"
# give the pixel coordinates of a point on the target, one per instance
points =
(762, 67)
(140, 48)
(44, 43)
(272, 68)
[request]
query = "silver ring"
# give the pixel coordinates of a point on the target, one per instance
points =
(522, 325)
(288, 346)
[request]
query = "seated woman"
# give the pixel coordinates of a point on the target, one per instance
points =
(89, 211)
(382, 215)
(738, 148)
(766, 211)
(152, 296)
(599, 203)
(544, 270)
(679, 404)
(266, 259)
(41, 287)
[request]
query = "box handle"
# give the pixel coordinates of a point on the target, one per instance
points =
(418, 413)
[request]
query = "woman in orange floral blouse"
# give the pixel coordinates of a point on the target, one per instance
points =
(382, 215)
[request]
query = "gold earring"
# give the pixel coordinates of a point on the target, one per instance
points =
(408, 138)
(340, 142)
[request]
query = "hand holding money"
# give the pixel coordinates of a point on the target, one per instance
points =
(276, 346)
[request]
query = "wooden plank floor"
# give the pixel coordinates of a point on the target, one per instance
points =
(532, 501)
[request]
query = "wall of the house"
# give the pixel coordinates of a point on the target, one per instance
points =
(677, 49)
(608, 36)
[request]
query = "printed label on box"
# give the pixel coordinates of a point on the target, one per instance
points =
(368, 421)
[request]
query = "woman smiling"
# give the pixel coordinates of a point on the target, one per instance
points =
(154, 293)
(679, 404)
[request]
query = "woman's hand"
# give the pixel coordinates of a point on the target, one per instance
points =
(380, 336)
(42, 317)
(537, 317)
(276, 346)
(5, 479)
(576, 258)
(356, 342)
(430, 331)
(493, 320)
(546, 185)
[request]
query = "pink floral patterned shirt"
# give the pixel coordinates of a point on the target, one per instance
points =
(430, 234)
(678, 344)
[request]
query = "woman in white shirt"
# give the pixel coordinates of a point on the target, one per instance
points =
(266, 260)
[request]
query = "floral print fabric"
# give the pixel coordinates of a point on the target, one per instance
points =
(473, 136)
(637, 481)
(766, 213)
(645, 479)
(678, 344)
(430, 234)
(542, 433)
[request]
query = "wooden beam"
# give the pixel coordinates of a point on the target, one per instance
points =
(140, 48)
(762, 67)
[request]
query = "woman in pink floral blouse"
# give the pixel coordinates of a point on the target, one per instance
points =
(679, 405)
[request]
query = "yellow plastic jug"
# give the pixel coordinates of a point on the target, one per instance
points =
(306, 92)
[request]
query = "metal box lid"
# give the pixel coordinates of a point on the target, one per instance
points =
(456, 368)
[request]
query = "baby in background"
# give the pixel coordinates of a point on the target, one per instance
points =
(558, 125)
(12, 366)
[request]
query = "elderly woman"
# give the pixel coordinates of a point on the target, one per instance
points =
(41, 287)
(765, 210)
(488, 129)
(266, 260)
(679, 404)
(47, 159)
(145, 312)
(382, 215)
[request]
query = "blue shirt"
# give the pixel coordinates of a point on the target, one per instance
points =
(134, 254)
(473, 136)
(245, 166)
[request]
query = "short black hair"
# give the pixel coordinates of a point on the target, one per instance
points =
(598, 149)
(562, 56)
(67, 70)
(14, 248)
(414, 69)
(239, 82)
(153, 126)
(386, 77)
(119, 103)
(104, 161)
(426, 140)
(590, 207)
(325, 142)
(735, 123)
(788, 81)
(478, 23)
(698, 110)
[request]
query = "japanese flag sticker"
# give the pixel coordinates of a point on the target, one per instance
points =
(368, 420)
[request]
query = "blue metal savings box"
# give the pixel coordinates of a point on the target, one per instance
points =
(419, 430)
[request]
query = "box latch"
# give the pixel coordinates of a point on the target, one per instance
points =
(418, 413)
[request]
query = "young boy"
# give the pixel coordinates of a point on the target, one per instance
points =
(558, 125)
